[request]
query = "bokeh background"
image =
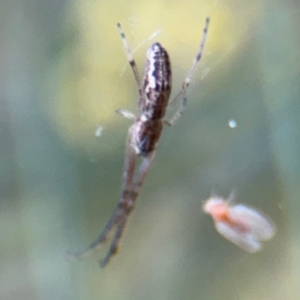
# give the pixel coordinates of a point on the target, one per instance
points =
(63, 74)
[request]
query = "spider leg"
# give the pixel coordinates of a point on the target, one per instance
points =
(126, 114)
(128, 173)
(171, 121)
(115, 242)
(143, 171)
(134, 70)
(186, 83)
(197, 58)
(99, 241)
(129, 198)
(130, 59)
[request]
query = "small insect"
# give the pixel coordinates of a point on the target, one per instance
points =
(240, 224)
(143, 135)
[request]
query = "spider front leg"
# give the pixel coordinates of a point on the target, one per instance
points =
(129, 198)
(143, 171)
(115, 219)
(115, 243)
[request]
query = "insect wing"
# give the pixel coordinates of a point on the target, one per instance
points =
(244, 240)
(257, 223)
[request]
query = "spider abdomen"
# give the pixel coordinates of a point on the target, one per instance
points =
(157, 83)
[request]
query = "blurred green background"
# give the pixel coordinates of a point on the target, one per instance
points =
(63, 74)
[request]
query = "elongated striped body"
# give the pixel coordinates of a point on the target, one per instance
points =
(156, 83)
(147, 129)
(142, 138)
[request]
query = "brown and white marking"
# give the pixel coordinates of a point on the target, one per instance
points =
(143, 135)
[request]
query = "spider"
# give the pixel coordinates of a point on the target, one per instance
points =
(142, 138)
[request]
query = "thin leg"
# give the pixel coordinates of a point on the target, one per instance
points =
(130, 59)
(115, 243)
(129, 198)
(129, 162)
(128, 173)
(131, 192)
(197, 58)
(232, 197)
(143, 171)
(97, 243)
(126, 114)
(177, 114)
(186, 82)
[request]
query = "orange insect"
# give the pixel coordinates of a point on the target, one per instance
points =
(240, 224)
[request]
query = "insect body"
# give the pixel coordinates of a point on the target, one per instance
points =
(240, 224)
(143, 135)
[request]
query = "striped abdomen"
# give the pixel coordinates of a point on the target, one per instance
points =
(156, 84)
